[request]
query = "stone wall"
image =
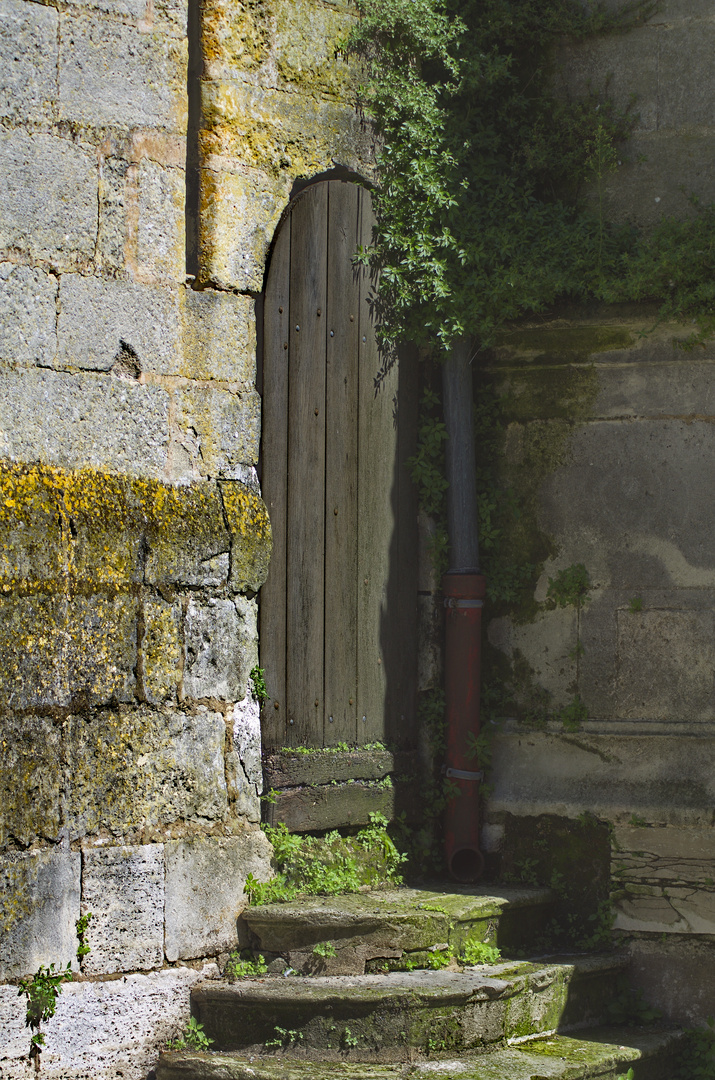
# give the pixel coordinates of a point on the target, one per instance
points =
(133, 538)
(609, 447)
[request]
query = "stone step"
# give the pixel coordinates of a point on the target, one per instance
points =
(603, 1053)
(394, 925)
(399, 1016)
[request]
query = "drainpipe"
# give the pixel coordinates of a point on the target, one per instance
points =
(463, 587)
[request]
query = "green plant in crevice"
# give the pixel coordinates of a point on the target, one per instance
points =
(697, 1060)
(259, 690)
(284, 1038)
(478, 952)
(243, 964)
(41, 991)
(635, 604)
(328, 865)
(193, 1037)
(82, 927)
(325, 950)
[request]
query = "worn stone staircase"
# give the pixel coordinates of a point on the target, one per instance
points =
(391, 1002)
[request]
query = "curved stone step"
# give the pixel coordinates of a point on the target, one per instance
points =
(604, 1054)
(395, 923)
(396, 1016)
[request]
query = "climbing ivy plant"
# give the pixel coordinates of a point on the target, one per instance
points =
(481, 163)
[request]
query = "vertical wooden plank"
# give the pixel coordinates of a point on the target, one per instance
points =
(306, 477)
(402, 700)
(274, 472)
(377, 446)
(341, 451)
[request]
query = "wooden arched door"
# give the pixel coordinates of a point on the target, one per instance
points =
(338, 610)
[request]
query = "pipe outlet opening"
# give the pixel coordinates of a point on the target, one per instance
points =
(466, 865)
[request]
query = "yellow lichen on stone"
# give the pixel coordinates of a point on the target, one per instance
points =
(250, 527)
(235, 32)
(62, 531)
(308, 36)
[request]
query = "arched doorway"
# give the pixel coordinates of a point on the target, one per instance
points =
(338, 610)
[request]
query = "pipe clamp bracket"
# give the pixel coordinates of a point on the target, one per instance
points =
(463, 774)
(453, 602)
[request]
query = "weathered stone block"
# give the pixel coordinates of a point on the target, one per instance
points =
(675, 975)
(651, 477)
(101, 648)
(619, 65)
(126, 10)
(279, 134)
(133, 767)
(102, 323)
(49, 205)
(609, 769)
(239, 213)
(219, 331)
(103, 1028)
(308, 61)
(687, 91)
(548, 647)
(244, 768)
(33, 647)
(220, 648)
(204, 891)
(32, 778)
(662, 171)
(78, 420)
(666, 661)
(115, 74)
(225, 425)
(247, 738)
(161, 651)
(112, 231)
(664, 880)
(39, 903)
(160, 224)
(123, 887)
(28, 60)
(27, 314)
(33, 548)
(251, 542)
(190, 545)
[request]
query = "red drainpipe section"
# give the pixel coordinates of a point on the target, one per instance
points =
(463, 599)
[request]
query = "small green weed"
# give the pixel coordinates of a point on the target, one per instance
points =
(638, 821)
(42, 990)
(283, 1038)
(572, 715)
(258, 680)
(635, 604)
(193, 1037)
(325, 950)
(328, 865)
(626, 1076)
(348, 1040)
(478, 952)
(82, 926)
(435, 1045)
(240, 965)
(570, 587)
(698, 1059)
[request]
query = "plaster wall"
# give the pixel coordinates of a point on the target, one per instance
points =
(609, 448)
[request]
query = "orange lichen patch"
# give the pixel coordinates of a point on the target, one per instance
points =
(236, 32)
